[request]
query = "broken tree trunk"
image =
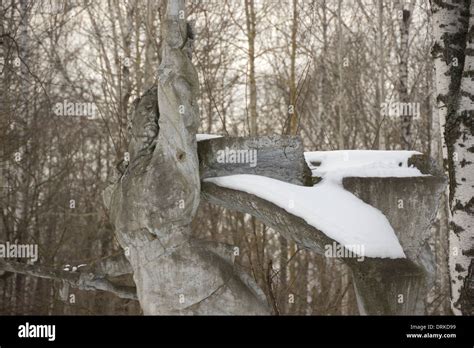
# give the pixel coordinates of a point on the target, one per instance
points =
(154, 201)
(177, 275)
(156, 198)
(383, 286)
(278, 157)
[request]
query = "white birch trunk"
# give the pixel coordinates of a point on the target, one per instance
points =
(454, 111)
(462, 197)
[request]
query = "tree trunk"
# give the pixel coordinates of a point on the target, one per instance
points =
(292, 111)
(155, 200)
(452, 52)
(150, 37)
(383, 286)
(406, 12)
(460, 137)
(251, 34)
(340, 87)
(379, 143)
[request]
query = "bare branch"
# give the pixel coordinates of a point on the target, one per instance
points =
(81, 280)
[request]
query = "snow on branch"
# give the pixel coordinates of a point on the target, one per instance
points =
(335, 165)
(83, 279)
(327, 207)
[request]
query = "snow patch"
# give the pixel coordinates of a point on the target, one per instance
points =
(201, 137)
(328, 207)
(335, 165)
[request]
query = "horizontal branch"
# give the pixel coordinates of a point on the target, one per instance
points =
(290, 226)
(276, 156)
(375, 277)
(82, 280)
(409, 204)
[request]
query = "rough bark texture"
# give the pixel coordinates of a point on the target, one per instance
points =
(379, 282)
(251, 22)
(453, 54)
(155, 200)
(411, 223)
(462, 201)
(406, 12)
(292, 109)
(278, 157)
(156, 197)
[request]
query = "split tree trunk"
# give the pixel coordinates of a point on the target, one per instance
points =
(383, 286)
(155, 200)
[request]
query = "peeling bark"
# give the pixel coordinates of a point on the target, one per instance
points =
(462, 201)
(453, 54)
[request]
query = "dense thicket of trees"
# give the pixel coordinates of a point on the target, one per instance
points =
(334, 72)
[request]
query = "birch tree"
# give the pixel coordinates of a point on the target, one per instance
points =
(452, 51)
(462, 200)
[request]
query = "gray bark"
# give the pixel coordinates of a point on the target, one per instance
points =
(251, 22)
(279, 157)
(167, 264)
(86, 279)
(156, 198)
(406, 11)
(384, 286)
(453, 55)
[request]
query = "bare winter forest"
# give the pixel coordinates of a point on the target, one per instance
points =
(82, 85)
